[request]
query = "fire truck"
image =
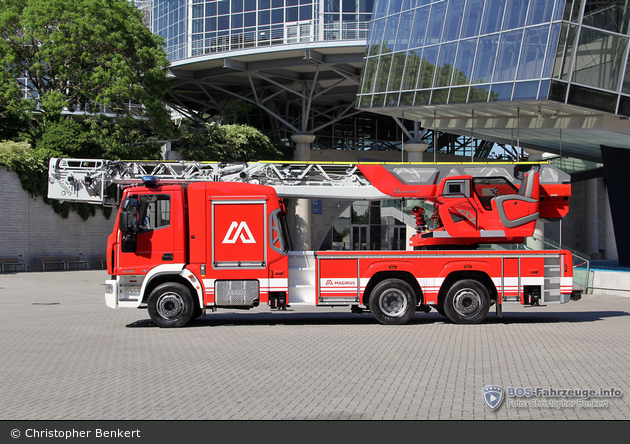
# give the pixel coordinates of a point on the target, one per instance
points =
(194, 237)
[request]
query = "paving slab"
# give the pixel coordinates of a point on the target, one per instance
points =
(66, 356)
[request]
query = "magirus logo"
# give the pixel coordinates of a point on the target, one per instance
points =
(237, 231)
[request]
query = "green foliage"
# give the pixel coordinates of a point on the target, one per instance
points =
(227, 143)
(32, 168)
(92, 58)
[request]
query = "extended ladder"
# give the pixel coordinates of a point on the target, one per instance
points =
(87, 180)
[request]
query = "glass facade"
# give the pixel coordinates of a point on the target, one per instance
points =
(424, 52)
(196, 27)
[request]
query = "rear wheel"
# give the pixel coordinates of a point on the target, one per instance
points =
(171, 305)
(467, 302)
(393, 301)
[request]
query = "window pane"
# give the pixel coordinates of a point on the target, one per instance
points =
(472, 18)
(598, 58)
(376, 38)
(611, 15)
(422, 97)
(502, 91)
(419, 28)
(453, 20)
(444, 70)
(564, 56)
(493, 16)
(486, 55)
(369, 73)
(540, 11)
(458, 95)
(434, 30)
(552, 46)
(515, 14)
(404, 31)
(464, 63)
(411, 70)
(396, 74)
(526, 91)
(592, 99)
(533, 54)
(390, 33)
(479, 93)
(382, 75)
(507, 56)
(427, 67)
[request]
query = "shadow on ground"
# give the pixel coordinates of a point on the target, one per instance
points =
(337, 318)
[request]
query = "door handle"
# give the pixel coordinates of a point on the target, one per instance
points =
(167, 257)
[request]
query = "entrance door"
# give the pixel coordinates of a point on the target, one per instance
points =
(359, 237)
(397, 237)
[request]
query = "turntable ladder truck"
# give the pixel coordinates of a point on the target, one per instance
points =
(194, 237)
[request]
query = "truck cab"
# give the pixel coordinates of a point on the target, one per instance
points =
(182, 248)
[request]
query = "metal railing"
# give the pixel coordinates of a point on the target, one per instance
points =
(298, 33)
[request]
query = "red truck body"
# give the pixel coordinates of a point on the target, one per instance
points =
(182, 249)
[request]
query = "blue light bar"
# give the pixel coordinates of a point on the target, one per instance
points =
(150, 181)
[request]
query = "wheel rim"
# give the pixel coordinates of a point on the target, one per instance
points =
(170, 306)
(467, 302)
(393, 302)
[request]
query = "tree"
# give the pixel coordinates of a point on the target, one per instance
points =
(84, 78)
(91, 57)
(227, 143)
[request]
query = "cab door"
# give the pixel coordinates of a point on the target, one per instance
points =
(154, 233)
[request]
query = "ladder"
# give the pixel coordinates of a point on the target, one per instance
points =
(87, 180)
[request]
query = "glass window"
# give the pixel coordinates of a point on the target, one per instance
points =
(434, 29)
(502, 91)
(404, 31)
(515, 14)
(453, 20)
(564, 56)
(533, 53)
(598, 58)
(391, 30)
(540, 11)
(486, 55)
(610, 15)
(444, 70)
(572, 10)
(458, 95)
(263, 4)
(378, 100)
(369, 73)
(413, 67)
(237, 6)
(427, 67)
(472, 18)
(507, 56)
(464, 62)
(376, 37)
(382, 75)
(543, 92)
(264, 17)
(396, 74)
(552, 47)
(394, 6)
(526, 91)
(292, 14)
(479, 93)
(277, 16)
(237, 21)
(419, 27)
(493, 16)
(406, 98)
(439, 97)
(381, 8)
(250, 5)
(590, 98)
(422, 97)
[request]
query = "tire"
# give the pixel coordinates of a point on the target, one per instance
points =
(171, 305)
(467, 302)
(439, 309)
(393, 302)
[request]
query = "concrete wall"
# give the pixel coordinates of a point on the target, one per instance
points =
(31, 228)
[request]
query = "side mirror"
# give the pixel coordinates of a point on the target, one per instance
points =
(127, 218)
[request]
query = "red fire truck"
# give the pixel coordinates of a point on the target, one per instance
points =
(192, 237)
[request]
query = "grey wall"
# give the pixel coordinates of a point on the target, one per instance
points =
(30, 227)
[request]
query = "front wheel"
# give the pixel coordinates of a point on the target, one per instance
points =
(171, 305)
(467, 302)
(393, 301)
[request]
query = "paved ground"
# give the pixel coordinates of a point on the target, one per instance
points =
(66, 356)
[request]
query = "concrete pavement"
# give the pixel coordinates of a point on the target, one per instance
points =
(66, 356)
